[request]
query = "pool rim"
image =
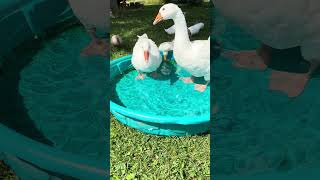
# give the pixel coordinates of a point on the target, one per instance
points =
(147, 117)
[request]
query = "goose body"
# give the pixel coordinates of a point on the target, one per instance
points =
(289, 23)
(92, 14)
(139, 60)
(195, 59)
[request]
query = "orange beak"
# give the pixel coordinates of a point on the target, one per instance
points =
(146, 56)
(165, 57)
(158, 19)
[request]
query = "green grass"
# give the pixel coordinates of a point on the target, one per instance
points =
(135, 155)
(154, 2)
(148, 2)
(5, 172)
(131, 23)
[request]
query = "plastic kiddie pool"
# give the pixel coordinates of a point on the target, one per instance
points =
(144, 120)
(258, 133)
(52, 126)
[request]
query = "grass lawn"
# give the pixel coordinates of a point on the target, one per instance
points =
(5, 172)
(147, 2)
(135, 155)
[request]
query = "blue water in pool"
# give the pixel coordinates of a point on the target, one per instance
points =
(162, 97)
(65, 94)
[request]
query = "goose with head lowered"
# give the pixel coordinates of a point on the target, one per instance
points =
(145, 57)
(165, 47)
(193, 56)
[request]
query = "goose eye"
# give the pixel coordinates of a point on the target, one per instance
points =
(163, 9)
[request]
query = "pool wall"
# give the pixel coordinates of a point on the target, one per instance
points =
(32, 160)
(22, 21)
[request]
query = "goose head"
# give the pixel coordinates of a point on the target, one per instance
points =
(167, 11)
(145, 46)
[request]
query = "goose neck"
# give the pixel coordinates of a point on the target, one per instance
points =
(181, 34)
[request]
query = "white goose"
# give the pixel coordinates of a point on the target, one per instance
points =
(145, 57)
(94, 16)
(192, 56)
(165, 47)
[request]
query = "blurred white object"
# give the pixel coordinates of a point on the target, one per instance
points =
(192, 29)
(195, 28)
(170, 30)
(116, 40)
(92, 14)
(111, 15)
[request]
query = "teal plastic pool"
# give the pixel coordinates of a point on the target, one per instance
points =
(157, 106)
(53, 123)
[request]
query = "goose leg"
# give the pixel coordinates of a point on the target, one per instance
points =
(250, 59)
(291, 84)
(246, 59)
(201, 87)
(188, 80)
(97, 46)
(154, 74)
(140, 76)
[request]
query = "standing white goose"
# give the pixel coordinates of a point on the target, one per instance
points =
(94, 16)
(192, 56)
(146, 56)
